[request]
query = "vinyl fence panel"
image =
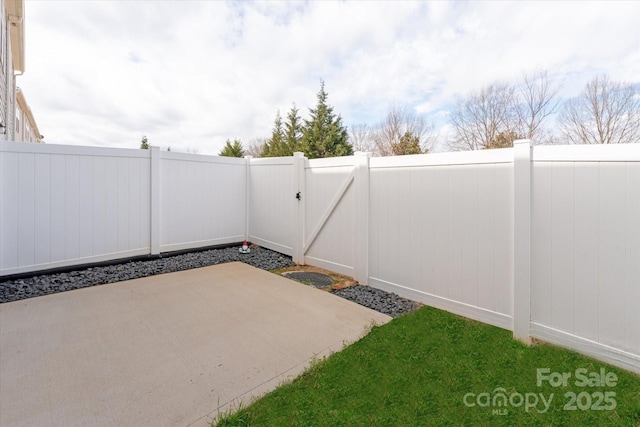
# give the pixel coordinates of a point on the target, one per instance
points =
(66, 205)
(441, 231)
(202, 200)
(585, 284)
(272, 203)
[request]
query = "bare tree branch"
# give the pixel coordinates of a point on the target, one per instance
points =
(606, 113)
(537, 101)
(360, 137)
(255, 147)
(483, 117)
(398, 122)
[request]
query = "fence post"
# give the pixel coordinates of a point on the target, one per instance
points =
(299, 187)
(247, 203)
(522, 240)
(154, 153)
(361, 245)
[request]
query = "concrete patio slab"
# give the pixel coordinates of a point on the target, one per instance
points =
(166, 350)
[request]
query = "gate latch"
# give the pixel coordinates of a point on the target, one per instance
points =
(299, 196)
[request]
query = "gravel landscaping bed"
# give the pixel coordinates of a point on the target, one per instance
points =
(377, 299)
(35, 286)
(19, 289)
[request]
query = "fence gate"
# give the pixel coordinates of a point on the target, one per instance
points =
(333, 216)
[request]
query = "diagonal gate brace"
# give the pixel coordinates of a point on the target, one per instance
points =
(332, 206)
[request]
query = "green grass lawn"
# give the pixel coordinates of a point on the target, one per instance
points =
(431, 367)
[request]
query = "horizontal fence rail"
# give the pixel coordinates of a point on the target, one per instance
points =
(543, 241)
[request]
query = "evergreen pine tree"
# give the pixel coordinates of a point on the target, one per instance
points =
(324, 135)
(293, 127)
(144, 144)
(408, 144)
(275, 146)
(234, 149)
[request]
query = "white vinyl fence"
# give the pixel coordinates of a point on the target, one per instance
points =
(441, 231)
(329, 214)
(543, 241)
(585, 251)
(202, 200)
(68, 205)
(273, 185)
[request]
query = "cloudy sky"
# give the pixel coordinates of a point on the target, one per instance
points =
(190, 74)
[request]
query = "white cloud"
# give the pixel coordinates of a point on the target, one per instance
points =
(192, 74)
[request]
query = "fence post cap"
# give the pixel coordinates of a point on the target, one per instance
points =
(363, 153)
(522, 141)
